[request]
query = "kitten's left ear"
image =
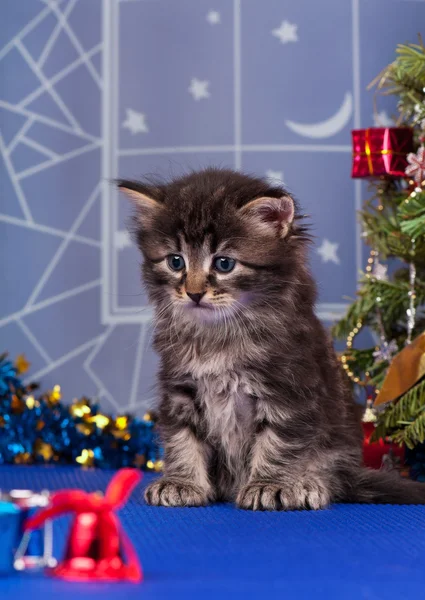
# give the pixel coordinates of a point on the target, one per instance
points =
(272, 216)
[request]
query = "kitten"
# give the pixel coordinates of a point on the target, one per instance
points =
(254, 406)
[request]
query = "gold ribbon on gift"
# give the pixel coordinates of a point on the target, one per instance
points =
(405, 370)
(368, 152)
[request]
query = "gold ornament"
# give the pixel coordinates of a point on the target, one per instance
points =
(17, 405)
(55, 395)
(30, 402)
(84, 428)
(121, 435)
(86, 458)
(24, 458)
(101, 421)
(156, 465)
(121, 422)
(405, 370)
(80, 408)
(43, 449)
(21, 364)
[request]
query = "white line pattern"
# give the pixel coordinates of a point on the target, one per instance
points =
(58, 159)
(29, 334)
(51, 230)
(49, 301)
(59, 76)
(14, 179)
(77, 45)
(114, 154)
(62, 247)
(39, 147)
(47, 120)
(355, 9)
(53, 93)
(54, 35)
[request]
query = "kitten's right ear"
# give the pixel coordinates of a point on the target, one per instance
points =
(141, 197)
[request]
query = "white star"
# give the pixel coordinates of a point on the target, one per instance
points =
(122, 240)
(328, 251)
(135, 122)
(379, 272)
(213, 17)
(199, 89)
(287, 32)
(274, 176)
(381, 119)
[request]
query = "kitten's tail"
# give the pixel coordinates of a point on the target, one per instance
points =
(381, 487)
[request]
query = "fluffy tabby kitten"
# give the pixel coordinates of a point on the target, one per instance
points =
(254, 407)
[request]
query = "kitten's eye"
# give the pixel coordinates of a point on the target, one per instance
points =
(175, 262)
(223, 264)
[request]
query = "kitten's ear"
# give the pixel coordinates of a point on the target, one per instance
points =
(142, 199)
(269, 215)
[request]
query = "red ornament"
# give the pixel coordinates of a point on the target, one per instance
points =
(374, 452)
(381, 151)
(98, 548)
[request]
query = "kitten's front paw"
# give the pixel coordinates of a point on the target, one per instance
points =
(171, 492)
(276, 496)
(311, 494)
(259, 496)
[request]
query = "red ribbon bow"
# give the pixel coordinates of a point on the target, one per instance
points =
(97, 546)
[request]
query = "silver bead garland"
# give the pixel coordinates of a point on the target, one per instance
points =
(411, 311)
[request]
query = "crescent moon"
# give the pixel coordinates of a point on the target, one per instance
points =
(328, 127)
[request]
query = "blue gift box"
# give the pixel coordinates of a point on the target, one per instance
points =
(10, 524)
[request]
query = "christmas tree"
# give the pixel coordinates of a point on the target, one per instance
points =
(393, 219)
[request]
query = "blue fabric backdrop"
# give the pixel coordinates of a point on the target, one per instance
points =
(91, 90)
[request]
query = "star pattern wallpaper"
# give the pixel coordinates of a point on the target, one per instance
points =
(96, 89)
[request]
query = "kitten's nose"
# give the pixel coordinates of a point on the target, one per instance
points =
(196, 297)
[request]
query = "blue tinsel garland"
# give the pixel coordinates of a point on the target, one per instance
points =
(42, 429)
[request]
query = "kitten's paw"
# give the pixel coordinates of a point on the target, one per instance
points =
(276, 496)
(260, 496)
(311, 494)
(170, 492)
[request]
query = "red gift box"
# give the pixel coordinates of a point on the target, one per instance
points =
(381, 151)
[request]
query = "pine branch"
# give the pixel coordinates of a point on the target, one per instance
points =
(394, 303)
(412, 215)
(412, 434)
(391, 229)
(405, 78)
(404, 420)
(411, 60)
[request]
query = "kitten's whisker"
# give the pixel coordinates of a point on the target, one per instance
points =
(157, 319)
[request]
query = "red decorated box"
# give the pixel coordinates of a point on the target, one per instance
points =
(381, 151)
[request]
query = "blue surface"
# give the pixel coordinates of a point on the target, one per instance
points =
(346, 552)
